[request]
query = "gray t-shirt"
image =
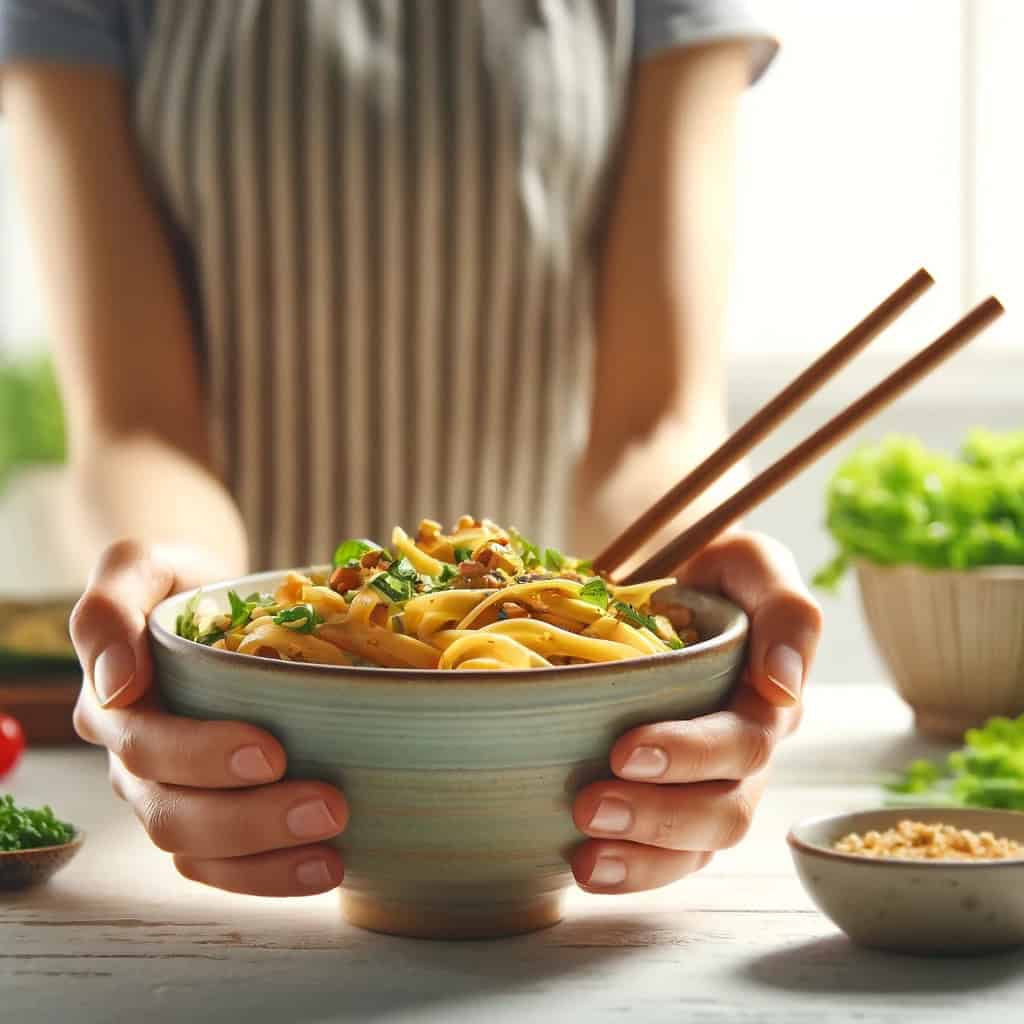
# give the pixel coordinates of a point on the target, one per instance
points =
(384, 212)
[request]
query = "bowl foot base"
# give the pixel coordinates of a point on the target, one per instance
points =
(947, 723)
(426, 922)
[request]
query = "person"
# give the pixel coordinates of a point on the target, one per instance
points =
(314, 268)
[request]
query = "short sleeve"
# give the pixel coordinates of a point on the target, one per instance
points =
(664, 24)
(66, 31)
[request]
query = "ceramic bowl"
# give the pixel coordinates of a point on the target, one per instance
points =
(952, 641)
(20, 869)
(953, 908)
(459, 783)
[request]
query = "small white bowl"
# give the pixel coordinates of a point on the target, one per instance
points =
(951, 908)
(952, 640)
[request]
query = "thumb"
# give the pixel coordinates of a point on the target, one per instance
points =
(108, 625)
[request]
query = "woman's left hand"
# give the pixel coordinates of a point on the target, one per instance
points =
(686, 789)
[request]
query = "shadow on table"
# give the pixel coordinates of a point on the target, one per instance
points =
(835, 965)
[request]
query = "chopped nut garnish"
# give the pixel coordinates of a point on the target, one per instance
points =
(915, 840)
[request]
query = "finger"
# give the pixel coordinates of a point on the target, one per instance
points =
(108, 624)
(298, 872)
(761, 575)
(212, 824)
(616, 867)
(698, 816)
(159, 747)
(733, 744)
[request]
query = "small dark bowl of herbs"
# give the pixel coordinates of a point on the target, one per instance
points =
(34, 844)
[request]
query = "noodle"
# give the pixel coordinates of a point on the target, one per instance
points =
(478, 598)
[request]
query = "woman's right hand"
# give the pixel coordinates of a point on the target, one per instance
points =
(208, 792)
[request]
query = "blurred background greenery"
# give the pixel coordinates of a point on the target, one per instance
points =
(32, 428)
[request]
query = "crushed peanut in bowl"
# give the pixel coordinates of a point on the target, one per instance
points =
(915, 840)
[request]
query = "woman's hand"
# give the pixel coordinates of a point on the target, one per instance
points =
(686, 789)
(208, 792)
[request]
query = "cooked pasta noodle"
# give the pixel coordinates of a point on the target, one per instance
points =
(477, 598)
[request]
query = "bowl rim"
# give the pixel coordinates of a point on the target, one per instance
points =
(734, 634)
(1001, 573)
(76, 840)
(825, 853)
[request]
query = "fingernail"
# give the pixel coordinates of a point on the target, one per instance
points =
(311, 820)
(612, 816)
(785, 668)
(250, 764)
(314, 875)
(645, 763)
(607, 871)
(113, 672)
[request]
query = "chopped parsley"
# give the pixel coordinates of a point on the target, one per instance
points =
(596, 593)
(303, 618)
(24, 828)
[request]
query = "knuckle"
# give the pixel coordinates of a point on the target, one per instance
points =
(666, 829)
(739, 816)
(121, 553)
(760, 746)
(93, 609)
(160, 820)
(129, 747)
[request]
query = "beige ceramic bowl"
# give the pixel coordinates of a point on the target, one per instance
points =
(953, 641)
(459, 784)
(20, 869)
(930, 907)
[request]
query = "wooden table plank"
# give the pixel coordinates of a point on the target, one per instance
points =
(119, 936)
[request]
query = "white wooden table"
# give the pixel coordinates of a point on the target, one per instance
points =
(120, 937)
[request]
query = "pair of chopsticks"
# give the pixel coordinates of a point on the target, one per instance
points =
(672, 555)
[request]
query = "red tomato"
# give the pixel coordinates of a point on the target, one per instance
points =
(12, 743)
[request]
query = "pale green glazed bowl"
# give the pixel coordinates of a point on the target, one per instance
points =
(459, 784)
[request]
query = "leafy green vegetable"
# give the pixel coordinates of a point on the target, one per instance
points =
(303, 618)
(595, 592)
(988, 771)
(185, 625)
(403, 569)
(898, 503)
(31, 416)
(393, 588)
(241, 611)
(634, 617)
(554, 560)
(23, 828)
(528, 552)
(463, 554)
(444, 581)
(585, 567)
(350, 551)
(674, 642)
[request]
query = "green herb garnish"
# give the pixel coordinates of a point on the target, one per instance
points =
(185, 625)
(351, 551)
(241, 610)
(988, 771)
(634, 617)
(303, 618)
(596, 593)
(403, 569)
(23, 828)
(584, 567)
(463, 554)
(554, 560)
(898, 503)
(528, 552)
(393, 588)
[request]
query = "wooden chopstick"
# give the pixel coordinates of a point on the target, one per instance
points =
(762, 423)
(688, 543)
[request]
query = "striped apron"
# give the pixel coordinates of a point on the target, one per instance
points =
(386, 212)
